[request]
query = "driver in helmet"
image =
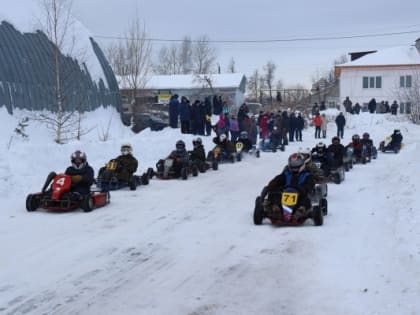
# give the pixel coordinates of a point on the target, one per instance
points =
(311, 167)
(247, 143)
(227, 146)
(82, 174)
(335, 153)
(357, 146)
(396, 139)
(127, 164)
(368, 143)
(198, 153)
(294, 175)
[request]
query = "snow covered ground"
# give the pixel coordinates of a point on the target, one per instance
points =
(190, 247)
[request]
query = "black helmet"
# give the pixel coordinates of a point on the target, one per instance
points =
(197, 141)
(335, 139)
(366, 135)
(296, 162)
(180, 145)
(243, 135)
(78, 159)
(397, 131)
(355, 137)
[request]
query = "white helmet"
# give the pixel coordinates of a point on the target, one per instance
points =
(126, 149)
(306, 153)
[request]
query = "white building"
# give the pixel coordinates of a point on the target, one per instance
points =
(386, 75)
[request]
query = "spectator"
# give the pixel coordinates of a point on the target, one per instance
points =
(372, 106)
(173, 111)
(394, 108)
(356, 108)
(300, 124)
(185, 114)
(324, 125)
(340, 121)
(317, 121)
(292, 127)
(347, 105)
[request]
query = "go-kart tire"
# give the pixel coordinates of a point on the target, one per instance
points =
(144, 179)
(258, 211)
(87, 204)
(257, 153)
(215, 165)
(238, 157)
(337, 179)
(317, 216)
(323, 204)
(150, 172)
(194, 171)
(346, 167)
(32, 203)
(107, 197)
(184, 173)
(202, 168)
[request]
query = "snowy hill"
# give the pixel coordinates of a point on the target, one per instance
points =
(190, 247)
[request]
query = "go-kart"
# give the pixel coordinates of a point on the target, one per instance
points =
(240, 149)
(168, 169)
(220, 155)
(387, 145)
(108, 180)
(286, 212)
(332, 173)
(59, 197)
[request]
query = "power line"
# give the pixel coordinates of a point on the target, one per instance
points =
(297, 39)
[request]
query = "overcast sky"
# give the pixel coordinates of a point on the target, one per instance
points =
(297, 61)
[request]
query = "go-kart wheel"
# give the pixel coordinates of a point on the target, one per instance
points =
(323, 204)
(317, 215)
(150, 172)
(346, 167)
(107, 197)
(257, 153)
(202, 168)
(87, 203)
(239, 157)
(215, 165)
(144, 179)
(184, 173)
(194, 171)
(337, 178)
(32, 203)
(258, 211)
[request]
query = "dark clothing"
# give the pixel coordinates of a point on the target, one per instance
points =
(302, 181)
(83, 186)
(198, 154)
(394, 108)
(372, 106)
(185, 116)
(357, 149)
(340, 121)
(347, 105)
(127, 166)
(173, 112)
(356, 108)
(396, 140)
(335, 155)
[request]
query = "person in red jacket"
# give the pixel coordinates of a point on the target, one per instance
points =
(317, 120)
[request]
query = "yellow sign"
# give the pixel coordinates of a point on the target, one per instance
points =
(289, 199)
(164, 98)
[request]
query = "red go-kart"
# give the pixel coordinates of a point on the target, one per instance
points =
(59, 197)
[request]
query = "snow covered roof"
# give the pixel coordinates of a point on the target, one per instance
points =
(190, 81)
(400, 55)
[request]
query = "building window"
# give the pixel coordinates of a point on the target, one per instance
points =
(405, 81)
(405, 108)
(372, 82)
(365, 82)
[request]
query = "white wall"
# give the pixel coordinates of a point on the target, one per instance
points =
(351, 84)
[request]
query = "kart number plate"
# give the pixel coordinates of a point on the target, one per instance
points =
(289, 199)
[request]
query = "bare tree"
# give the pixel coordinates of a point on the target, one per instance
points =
(56, 25)
(253, 84)
(168, 61)
(137, 50)
(185, 55)
(410, 96)
(204, 56)
(231, 66)
(269, 69)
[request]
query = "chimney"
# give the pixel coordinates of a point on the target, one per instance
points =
(418, 44)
